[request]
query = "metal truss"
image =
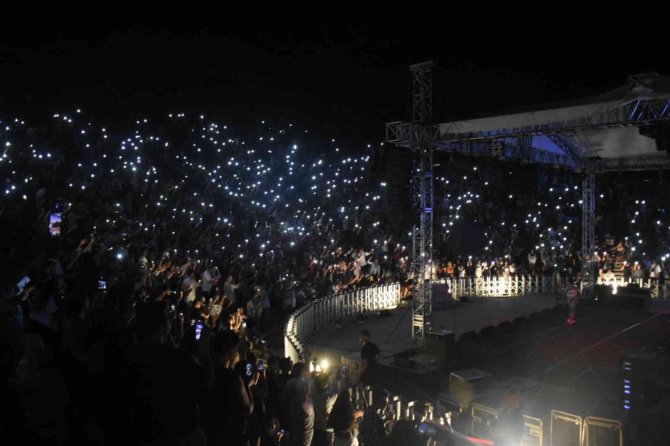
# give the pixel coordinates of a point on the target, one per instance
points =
(658, 162)
(422, 245)
(633, 114)
(588, 226)
(408, 134)
(525, 147)
(570, 148)
(513, 152)
(421, 142)
(422, 92)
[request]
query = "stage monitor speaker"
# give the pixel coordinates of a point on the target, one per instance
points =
(441, 297)
(632, 298)
(440, 344)
(402, 359)
(466, 385)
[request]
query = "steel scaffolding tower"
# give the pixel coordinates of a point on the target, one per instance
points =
(422, 245)
(420, 136)
(422, 233)
(588, 226)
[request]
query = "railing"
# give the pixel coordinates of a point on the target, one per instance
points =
(306, 321)
(505, 286)
(315, 315)
(660, 289)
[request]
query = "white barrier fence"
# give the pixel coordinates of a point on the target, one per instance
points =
(505, 286)
(306, 321)
(660, 289)
(315, 315)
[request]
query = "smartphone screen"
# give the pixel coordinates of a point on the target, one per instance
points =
(427, 429)
(23, 282)
(22, 285)
(198, 330)
(250, 369)
(55, 219)
(261, 365)
(102, 285)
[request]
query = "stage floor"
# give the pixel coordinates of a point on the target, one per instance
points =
(580, 363)
(392, 334)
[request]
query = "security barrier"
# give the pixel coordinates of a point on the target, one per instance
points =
(315, 315)
(566, 429)
(660, 289)
(505, 286)
(340, 307)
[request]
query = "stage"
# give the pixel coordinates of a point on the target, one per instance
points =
(574, 369)
(392, 333)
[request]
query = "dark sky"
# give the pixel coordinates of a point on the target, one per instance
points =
(340, 74)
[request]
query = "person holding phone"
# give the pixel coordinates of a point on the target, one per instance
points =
(342, 418)
(299, 406)
(146, 397)
(228, 405)
(372, 430)
(199, 326)
(56, 219)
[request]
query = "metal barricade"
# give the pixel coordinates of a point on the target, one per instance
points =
(483, 417)
(532, 431)
(566, 429)
(315, 315)
(602, 432)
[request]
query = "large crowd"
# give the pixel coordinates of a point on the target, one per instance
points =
(147, 268)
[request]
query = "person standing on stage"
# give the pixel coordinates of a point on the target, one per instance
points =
(369, 356)
(572, 297)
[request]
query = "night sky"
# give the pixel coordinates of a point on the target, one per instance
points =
(339, 75)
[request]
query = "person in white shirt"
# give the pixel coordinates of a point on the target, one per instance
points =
(229, 289)
(210, 278)
(362, 261)
(254, 308)
(189, 286)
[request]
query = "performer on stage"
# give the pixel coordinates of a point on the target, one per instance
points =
(572, 297)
